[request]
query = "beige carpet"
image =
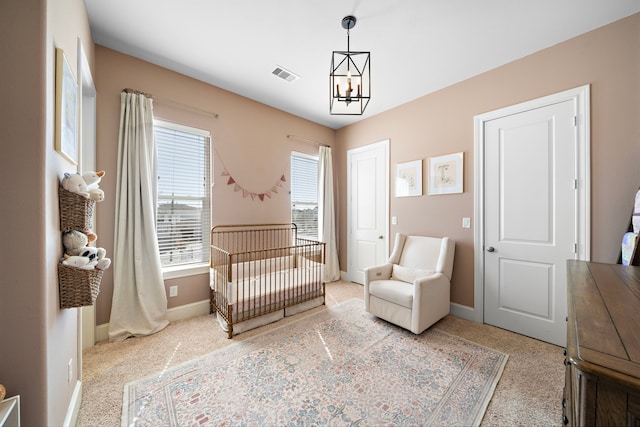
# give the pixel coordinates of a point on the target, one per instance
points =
(529, 392)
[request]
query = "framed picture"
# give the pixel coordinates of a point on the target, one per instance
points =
(409, 179)
(445, 174)
(66, 109)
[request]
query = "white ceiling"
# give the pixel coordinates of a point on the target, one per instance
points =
(417, 46)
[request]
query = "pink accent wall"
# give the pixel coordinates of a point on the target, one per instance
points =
(249, 138)
(442, 123)
(37, 338)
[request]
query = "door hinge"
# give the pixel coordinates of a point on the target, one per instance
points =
(575, 248)
(575, 184)
(575, 120)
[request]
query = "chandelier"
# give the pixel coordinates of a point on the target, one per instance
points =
(350, 78)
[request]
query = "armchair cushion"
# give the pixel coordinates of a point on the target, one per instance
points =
(409, 274)
(400, 293)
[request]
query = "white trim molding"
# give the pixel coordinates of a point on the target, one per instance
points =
(71, 418)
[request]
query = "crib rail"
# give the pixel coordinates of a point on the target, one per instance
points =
(257, 270)
(245, 238)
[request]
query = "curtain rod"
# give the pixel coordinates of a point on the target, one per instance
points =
(172, 102)
(307, 139)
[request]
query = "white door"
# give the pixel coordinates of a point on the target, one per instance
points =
(367, 240)
(533, 217)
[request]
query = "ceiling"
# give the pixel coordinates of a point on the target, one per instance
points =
(417, 46)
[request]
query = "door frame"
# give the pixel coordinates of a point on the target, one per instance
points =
(581, 99)
(87, 156)
(349, 274)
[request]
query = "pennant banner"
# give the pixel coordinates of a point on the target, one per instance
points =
(247, 193)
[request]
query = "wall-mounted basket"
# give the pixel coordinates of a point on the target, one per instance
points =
(78, 287)
(76, 211)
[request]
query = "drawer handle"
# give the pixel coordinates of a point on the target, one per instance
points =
(565, 420)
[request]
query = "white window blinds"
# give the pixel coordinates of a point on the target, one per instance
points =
(304, 194)
(183, 204)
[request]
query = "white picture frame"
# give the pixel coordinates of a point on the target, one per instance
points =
(409, 179)
(446, 174)
(66, 109)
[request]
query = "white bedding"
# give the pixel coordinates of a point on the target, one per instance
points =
(277, 281)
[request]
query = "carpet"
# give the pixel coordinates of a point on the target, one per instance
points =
(339, 366)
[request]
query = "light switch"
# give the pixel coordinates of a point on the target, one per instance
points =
(466, 222)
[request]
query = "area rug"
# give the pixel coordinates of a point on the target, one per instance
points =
(339, 366)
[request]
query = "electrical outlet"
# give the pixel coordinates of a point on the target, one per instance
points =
(394, 220)
(466, 222)
(70, 371)
(173, 291)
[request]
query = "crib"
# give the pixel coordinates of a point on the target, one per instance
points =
(262, 273)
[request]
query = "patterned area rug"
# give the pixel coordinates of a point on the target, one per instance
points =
(340, 366)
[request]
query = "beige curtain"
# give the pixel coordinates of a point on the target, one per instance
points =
(326, 215)
(139, 305)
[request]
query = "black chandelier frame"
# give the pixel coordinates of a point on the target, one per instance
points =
(348, 66)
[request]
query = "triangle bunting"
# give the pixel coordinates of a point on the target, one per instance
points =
(247, 193)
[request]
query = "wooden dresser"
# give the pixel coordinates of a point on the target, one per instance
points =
(602, 380)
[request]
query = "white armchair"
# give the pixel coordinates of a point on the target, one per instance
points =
(412, 290)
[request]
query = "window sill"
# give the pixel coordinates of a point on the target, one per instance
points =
(185, 270)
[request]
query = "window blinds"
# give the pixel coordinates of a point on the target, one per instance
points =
(183, 199)
(304, 194)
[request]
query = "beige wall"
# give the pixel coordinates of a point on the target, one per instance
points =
(37, 338)
(440, 123)
(249, 139)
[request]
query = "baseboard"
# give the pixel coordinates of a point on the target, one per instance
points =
(189, 310)
(102, 332)
(186, 311)
(462, 311)
(344, 275)
(71, 419)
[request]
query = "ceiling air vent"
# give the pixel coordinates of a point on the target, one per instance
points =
(285, 74)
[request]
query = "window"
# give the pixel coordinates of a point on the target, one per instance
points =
(304, 194)
(183, 201)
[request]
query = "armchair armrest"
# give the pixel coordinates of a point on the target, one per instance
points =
(431, 300)
(379, 272)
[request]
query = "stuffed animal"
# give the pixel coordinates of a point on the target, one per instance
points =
(80, 262)
(96, 194)
(88, 259)
(91, 236)
(74, 242)
(74, 183)
(86, 185)
(76, 246)
(92, 179)
(103, 262)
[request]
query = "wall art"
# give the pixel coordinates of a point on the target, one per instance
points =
(445, 174)
(66, 109)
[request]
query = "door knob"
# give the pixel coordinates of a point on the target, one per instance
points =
(490, 249)
(380, 237)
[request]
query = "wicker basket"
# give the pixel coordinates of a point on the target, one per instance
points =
(78, 287)
(76, 211)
